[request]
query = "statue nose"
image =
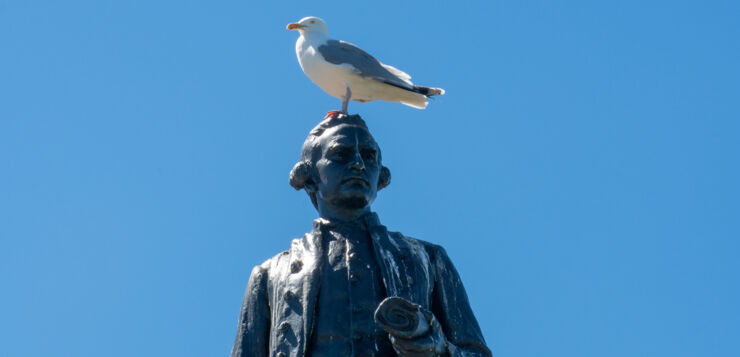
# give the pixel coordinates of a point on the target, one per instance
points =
(357, 162)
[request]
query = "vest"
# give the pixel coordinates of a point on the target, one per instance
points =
(350, 291)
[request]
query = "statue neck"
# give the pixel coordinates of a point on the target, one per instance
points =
(333, 214)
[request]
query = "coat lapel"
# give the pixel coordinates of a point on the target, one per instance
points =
(402, 265)
(308, 260)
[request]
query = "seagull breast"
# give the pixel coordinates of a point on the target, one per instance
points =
(332, 78)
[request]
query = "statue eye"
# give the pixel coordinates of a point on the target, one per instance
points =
(341, 154)
(369, 155)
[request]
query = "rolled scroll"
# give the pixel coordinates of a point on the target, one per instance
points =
(401, 318)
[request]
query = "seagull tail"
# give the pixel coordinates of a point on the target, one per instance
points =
(428, 91)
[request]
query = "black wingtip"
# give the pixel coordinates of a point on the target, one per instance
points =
(428, 91)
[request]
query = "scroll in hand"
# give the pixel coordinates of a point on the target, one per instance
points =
(414, 332)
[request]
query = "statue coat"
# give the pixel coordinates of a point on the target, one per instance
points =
(278, 311)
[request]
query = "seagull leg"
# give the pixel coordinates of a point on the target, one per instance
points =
(345, 101)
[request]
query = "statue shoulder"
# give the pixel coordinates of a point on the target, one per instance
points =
(273, 263)
(283, 259)
(431, 248)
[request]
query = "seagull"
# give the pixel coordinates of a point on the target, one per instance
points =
(345, 71)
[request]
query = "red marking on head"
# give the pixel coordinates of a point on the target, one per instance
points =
(332, 113)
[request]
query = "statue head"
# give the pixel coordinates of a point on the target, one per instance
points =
(340, 167)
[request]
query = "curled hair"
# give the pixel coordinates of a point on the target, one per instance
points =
(301, 176)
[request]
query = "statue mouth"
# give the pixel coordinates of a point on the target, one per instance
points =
(355, 179)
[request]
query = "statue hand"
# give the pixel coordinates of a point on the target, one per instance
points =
(431, 344)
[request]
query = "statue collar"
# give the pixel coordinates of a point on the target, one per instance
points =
(366, 222)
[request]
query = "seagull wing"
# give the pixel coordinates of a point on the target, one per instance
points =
(340, 52)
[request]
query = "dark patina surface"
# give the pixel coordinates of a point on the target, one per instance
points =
(319, 297)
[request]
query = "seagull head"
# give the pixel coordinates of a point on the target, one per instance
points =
(308, 25)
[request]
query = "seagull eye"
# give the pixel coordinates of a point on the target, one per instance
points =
(313, 22)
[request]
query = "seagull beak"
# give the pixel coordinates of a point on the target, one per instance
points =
(295, 26)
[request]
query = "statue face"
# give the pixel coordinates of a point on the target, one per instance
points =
(348, 169)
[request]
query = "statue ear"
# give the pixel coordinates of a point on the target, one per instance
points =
(300, 176)
(384, 179)
(310, 187)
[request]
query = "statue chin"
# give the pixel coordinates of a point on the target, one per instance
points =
(351, 202)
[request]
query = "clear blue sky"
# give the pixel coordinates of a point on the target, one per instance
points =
(582, 169)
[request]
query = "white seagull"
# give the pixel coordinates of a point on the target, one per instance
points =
(345, 71)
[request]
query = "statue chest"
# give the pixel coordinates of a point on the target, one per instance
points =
(351, 288)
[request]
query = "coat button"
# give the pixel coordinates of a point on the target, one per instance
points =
(296, 266)
(284, 327)
(288, 295)
(353, 279)
(281, 354)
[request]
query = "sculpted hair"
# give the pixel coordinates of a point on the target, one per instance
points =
(302, 173)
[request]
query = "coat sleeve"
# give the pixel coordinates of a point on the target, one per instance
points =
(252, 336)
(451, 308)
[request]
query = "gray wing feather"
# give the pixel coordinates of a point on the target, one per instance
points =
(340, 52)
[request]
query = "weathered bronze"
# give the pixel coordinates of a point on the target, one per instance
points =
(320, 297)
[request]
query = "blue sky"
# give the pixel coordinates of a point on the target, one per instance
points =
(581, 170)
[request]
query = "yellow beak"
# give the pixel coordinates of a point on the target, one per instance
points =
(295, 26)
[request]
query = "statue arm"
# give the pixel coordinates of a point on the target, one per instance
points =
(451, 308)
(252, 337)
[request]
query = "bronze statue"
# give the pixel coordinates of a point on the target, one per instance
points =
(320, 298)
